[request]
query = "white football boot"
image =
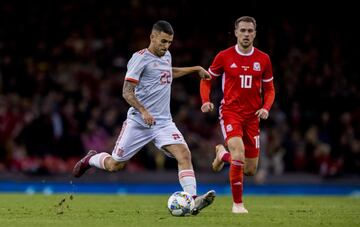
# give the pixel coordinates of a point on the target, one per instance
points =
(238, 208)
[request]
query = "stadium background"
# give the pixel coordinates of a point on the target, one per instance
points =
(62, 65)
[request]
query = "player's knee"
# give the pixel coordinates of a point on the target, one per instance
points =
(185, 157)
(237, 153)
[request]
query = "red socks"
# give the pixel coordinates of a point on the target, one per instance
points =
(236, 179)
(226, 157)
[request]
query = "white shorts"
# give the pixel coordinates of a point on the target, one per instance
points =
(134, 136)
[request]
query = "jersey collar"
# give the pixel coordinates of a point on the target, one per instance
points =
(243, 54)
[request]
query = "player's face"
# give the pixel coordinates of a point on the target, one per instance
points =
(245, 34)
(160, 42)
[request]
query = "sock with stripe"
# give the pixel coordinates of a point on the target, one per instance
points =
(187, 181)
(225, 156)
(236, 180)
(98, 160)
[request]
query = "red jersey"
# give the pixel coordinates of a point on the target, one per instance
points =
(244, 78)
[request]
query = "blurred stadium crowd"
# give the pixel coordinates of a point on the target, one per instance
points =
(62, 66)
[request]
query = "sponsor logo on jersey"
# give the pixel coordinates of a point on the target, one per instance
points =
(233, 66)
(245, 67)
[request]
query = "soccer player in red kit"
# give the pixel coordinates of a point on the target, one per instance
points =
(247, 84)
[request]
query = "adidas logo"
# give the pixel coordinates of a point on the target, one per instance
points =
(233, 66)
(237, 183)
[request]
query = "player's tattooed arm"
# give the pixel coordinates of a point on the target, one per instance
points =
(129, 95)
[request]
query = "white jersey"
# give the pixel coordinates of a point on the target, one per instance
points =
(153, 76)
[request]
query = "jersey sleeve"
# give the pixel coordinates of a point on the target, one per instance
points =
(215, 70)
(268, 74)
(268, 85)
(217, 66)
(135, 67)
(205, 88)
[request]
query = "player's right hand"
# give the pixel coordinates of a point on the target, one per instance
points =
(204, 75)
(148, 118)
(207, 107)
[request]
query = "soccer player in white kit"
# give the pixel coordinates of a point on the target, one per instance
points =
(147, 88)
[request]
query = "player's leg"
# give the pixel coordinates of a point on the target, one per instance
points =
(221, 156)
(251, 166)
(185, 169)
(187, 177)
(237, 150)
(130, 140)
(171, 140)
(101, 160)
(252, 147)
(231, 127)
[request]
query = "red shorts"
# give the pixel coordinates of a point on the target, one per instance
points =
(233, 124)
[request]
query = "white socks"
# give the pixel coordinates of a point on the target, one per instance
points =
(187, 181)
(98, 160)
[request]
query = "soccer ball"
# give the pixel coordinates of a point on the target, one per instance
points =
(181, 204)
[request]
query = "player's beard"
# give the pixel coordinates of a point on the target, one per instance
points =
(161, 52)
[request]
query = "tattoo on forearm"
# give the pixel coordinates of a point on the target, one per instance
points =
(129, 95)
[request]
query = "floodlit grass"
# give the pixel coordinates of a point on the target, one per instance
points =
(150, 210)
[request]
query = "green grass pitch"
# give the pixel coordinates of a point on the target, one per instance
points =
(150, 210)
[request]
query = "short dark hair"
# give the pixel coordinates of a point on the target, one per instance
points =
(163, 26)
(245, 19)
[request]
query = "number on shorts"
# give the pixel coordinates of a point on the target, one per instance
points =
(257, 141)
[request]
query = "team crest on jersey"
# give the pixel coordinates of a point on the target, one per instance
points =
(229, 128)
(256, 66)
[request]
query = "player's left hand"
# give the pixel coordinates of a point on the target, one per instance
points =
(203, 73)
(262, 113)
